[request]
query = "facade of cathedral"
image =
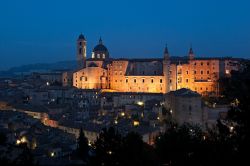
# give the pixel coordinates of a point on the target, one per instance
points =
(149, 75)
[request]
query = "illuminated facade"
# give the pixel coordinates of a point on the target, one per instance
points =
(148, 75)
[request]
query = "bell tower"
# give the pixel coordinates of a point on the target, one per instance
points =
(81, 51)
(166, 69)
(191, 53)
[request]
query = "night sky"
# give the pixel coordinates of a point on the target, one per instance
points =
(33, 31)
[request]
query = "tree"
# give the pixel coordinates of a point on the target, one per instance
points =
(179, 145)
(236, 90)
(107, 148)
(136, 152)
(83, 147)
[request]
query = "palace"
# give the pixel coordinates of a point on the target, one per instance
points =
(158, 75)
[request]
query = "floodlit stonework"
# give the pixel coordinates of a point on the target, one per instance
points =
(158, 75)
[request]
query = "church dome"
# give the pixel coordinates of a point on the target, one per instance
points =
(100, 51)
(100, 48)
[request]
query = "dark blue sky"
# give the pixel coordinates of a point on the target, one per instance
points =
(34, 31)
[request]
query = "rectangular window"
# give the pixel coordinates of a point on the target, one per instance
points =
(86, 79)
(126, 80)
(201, 63)
(160, 80)
(143, 80)
(187, 80)
(134, 80)
(152, 80)
(170, 81)
(208, 72)
(201, 72)
(194, 72)
(187, 72)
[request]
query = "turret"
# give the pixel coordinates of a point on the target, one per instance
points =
(81, 51)
(191, 53)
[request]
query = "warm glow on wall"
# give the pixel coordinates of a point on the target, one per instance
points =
(136, 123)
(140, 103)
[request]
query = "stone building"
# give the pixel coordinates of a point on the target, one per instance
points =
(157, 75)
(185, 106)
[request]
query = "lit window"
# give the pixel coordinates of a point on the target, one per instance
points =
(98, 55)
(103, 56)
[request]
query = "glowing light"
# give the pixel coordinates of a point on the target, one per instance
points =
(231, 128)
(18, 142)
(136, 123)
(23, 140)
(116, 121)
(109, 152)
(140, 103)
(158, 118)
(52, 154)
(47, 83)
(171, 111)
(227, 72)
(122, 114)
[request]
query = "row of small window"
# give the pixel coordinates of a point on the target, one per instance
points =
(179, 80)
(143, 80)
(203, 63)
(201, 88)
(98, 55)
(139, 88)
(179, 72)
(202, 72)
